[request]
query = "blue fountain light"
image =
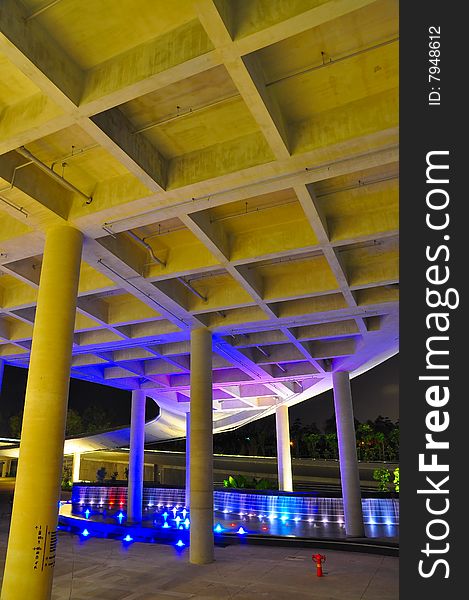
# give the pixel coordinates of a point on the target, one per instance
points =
(187, 522)
(218, 528)
(120, 517)
(178, 520)
(128, 538)
(284, 519)
(184, 513)
(241, 531)
(180, 544)
(166, 525)
(85, 533)
(87, 513)
(174, 511)
(165, 515)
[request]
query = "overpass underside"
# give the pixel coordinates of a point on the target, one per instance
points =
(198, 203)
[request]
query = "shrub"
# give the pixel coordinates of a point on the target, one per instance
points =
(396, 479)
(101, 475)
(382, 476)
(241, 482)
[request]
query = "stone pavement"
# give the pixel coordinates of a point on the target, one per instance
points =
(106, 570)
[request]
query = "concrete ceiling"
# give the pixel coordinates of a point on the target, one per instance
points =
(234, 165)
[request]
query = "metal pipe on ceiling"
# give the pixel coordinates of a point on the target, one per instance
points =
(160, 306)
(361, 184)
(14, 206)
(189, 111)
(191, 289)
(332, 62)
(146, 246)
(27, 154)
(262, 351)
(42, 9)
(253, 210)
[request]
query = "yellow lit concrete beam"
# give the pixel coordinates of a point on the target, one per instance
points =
(20, 331)
(152, 329)
(227, 157)
(115, 133)
(377, 295)
(332, 128)
(309, 277)
(371, 269)
(28, 120)
(248, 78)
(326, 330)
(125, 309)
(237, 316)
(97, 337)
(259, 24)
(17, 294)
(41, 194)
(33, 51)
(318, 304)
(178, 54)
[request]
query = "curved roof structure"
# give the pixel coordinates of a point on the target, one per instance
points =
(231, 165)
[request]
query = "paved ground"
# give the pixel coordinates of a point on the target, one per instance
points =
(106, 570)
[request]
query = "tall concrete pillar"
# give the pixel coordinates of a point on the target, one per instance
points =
(188, 454)
(136, 457)
(285, 479)
(6, 467)
(2, 370)
(201, 448)
(31, 548)
(349, 475)
(76, 466)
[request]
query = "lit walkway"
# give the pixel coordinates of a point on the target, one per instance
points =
(103, 569)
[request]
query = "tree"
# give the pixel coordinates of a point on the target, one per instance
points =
(313, 443)
(331, 445)
(95, 418)
(74, 423)
(15, 422)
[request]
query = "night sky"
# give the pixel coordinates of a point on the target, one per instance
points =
(376, 392)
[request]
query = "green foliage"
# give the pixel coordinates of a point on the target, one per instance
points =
(74, 424)
(382, 476)
(66, 483)
(241, 482)
(101, 475)
(396, 479)
(14, 423)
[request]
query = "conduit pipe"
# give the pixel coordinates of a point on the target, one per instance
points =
(27, 154)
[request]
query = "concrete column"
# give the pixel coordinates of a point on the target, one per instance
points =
(188, 454)
(201, 448)
(136, 457)
(76, 466)
(285, 479)
(6, 467)
(2, 369)
(349, 475)
(30, 555)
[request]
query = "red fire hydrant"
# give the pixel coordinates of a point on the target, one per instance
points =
(319, 559)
